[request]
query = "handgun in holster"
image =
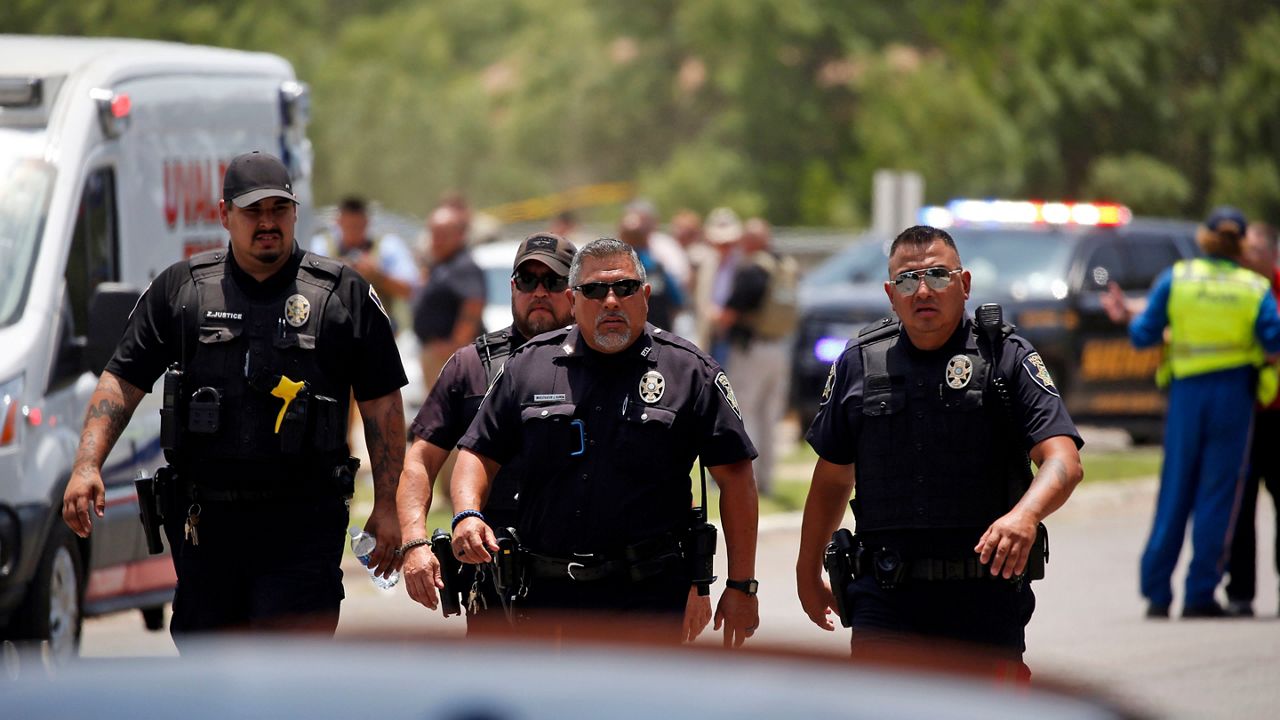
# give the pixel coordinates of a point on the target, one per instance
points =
(839, 560)
(151, 501)
(700, 552)
(451, 595)
(507, 570)
(344, 477)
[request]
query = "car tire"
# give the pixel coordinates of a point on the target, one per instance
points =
(52, 610)
(153, 617)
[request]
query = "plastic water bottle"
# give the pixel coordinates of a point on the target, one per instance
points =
(362, 545)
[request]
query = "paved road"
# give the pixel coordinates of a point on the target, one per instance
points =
(1087, 628)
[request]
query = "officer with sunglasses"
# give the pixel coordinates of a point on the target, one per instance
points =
(539, 304)
(934, 415)
(608, 418)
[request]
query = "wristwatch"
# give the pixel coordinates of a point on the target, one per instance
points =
(749, 586)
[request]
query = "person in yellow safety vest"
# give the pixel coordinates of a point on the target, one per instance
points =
(1222, 323)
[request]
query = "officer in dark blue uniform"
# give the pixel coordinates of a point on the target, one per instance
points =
(261, 346)
(935, 416)
(612, 413)
(539, 304)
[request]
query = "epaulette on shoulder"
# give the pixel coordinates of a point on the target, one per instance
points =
(207, 258)
(551, 337)
(670, 339)
(321, 266)
(882, 329)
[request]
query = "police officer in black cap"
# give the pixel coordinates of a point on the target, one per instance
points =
(261, 345)
(934, 415)
(539, 304)
(609, 417)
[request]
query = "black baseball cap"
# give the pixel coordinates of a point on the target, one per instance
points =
(549, 249)
(254, 176)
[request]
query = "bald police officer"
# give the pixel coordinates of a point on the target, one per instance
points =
(934, 416)
(265, 344)
(612, 413)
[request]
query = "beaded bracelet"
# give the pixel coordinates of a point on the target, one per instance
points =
(464, 515)
(400, 551)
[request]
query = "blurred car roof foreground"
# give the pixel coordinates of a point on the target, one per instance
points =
(454, 680)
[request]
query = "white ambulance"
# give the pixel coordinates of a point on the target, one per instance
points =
(111, 161)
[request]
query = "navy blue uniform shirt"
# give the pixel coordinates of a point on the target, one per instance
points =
(609, 439)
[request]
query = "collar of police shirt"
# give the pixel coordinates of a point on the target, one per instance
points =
(643, 348)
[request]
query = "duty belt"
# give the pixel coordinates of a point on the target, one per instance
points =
(639, 561)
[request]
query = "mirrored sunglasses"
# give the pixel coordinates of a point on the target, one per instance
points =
(937, 278)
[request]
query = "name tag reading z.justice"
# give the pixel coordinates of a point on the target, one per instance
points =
(550, 397)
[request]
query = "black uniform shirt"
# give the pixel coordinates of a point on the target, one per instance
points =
(1037, 403)
(355, 342)
(451, 406)
(450, 284)
(1038, 407)
(609, 459)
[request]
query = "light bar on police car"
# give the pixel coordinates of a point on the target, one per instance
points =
(1025, 212)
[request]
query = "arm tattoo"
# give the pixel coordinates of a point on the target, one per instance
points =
(1053, 471)
(105, 420)
(385, 438)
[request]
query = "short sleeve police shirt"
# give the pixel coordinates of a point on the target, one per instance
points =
(1038, 404)
(612, 437)
(356, 341)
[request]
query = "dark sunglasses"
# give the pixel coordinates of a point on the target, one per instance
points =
(600, 290)
(937, 278)
(527, 283)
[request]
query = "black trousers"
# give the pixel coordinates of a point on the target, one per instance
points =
(259, 566)
(989, 615)
(1264, 467)
(650, 610)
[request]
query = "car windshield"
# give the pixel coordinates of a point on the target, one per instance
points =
(26, 185)
(1022, 263)
(864, 261)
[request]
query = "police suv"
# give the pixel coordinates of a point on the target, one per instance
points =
(1047, 264)
(111, 161)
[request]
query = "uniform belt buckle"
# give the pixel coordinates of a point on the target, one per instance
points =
(572, 563)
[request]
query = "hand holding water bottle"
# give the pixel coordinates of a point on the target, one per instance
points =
(363, 545)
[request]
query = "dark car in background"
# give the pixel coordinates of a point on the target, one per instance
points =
(1047, 264)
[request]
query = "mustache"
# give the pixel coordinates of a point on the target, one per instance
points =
(606, 317)
(267, 233)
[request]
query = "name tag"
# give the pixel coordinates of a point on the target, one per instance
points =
(550, 397)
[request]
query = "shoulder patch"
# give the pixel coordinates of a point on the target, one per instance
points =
(830, 384)
(722, 382)
(1035, 367)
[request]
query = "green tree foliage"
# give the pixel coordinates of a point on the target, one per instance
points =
(779, 107)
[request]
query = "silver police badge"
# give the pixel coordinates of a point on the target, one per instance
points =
(959, 371)
(297, 309)
(652, 385)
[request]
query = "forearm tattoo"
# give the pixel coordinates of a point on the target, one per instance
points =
(1053, 472)
(385, 438)
(109, 412)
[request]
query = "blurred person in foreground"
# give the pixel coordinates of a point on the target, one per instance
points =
(1259, 252)
(269, 342)
(759, 319)
(447, 314)
(1219, 321)
(933, 416)
(608, 417)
